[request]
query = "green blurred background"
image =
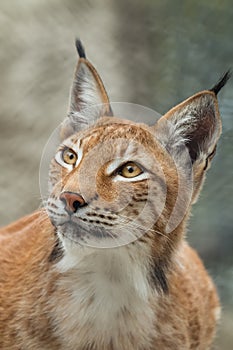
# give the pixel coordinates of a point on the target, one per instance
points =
(154, 53)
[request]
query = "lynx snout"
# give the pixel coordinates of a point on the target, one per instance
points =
(72, 201)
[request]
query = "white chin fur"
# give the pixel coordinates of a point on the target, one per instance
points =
(104, 287)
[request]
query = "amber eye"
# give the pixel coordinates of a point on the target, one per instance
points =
(69, 156)
(130, 169)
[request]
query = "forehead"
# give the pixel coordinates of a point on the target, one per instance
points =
(116, 133)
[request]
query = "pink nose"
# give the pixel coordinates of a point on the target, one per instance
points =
(73, 201)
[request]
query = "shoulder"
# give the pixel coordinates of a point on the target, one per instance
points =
(30, 237)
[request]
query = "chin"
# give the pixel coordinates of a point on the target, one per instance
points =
(84, 234)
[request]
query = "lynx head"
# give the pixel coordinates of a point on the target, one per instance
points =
(114, 181)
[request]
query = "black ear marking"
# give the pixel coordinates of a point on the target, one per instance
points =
(222, 81)
(210, 157)
(80, 48)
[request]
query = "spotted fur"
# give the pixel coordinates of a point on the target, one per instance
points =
(117, 274)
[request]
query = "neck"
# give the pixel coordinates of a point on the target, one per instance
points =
(124, 265)
(107, 287)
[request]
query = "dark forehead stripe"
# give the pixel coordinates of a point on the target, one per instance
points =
(112, 131)
(115, 130)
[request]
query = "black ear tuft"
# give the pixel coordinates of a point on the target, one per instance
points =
(80, 48)
(222, 81)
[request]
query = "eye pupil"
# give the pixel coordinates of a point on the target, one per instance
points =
(130, 169)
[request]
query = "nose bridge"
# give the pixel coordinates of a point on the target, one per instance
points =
(79, 181)
(71, 182)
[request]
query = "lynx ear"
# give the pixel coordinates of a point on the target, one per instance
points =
(88, 98)
(195, 125)
(195, 122)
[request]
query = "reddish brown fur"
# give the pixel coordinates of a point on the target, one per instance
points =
(25, 276)
(186, 314)
(39, 303)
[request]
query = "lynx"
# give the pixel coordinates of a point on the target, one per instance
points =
(105, 265)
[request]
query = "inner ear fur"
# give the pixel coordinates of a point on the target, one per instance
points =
(189, 132)
(194, 123)
(88, 89)
(88, 97)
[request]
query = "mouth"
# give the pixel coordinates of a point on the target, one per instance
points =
(96, 235)
(74, 230)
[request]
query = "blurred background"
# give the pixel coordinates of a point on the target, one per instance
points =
(154, 53)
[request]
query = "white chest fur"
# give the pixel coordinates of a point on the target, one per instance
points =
(105, 299)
